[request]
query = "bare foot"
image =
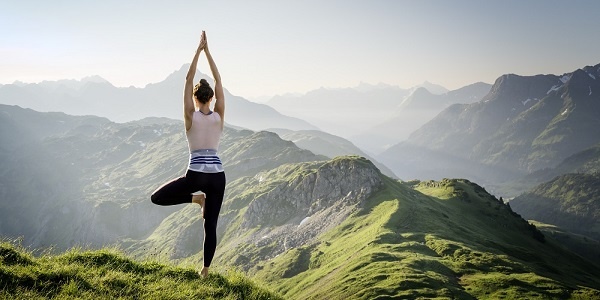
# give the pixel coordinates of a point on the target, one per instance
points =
(200, 199)
(204, 272)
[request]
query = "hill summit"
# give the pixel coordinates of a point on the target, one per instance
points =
(108, 274)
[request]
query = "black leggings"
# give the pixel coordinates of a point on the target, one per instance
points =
(180, 191)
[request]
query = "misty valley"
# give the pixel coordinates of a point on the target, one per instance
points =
(489, 191)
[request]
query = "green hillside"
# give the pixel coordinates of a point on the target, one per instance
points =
(95, 177)
(267, 208)
(570, 201)
(108, 274)
(587, 161)
(447, 239)
(340, 229)
(585, 246)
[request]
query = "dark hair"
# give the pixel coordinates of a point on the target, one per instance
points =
(202, 91)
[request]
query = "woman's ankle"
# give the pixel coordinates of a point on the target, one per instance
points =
(204, 272)
(199, 199)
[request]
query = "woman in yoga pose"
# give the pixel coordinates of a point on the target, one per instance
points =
(205, 174)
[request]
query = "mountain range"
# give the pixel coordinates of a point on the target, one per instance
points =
(374, 116)
(387, 113)
(96, 96)
(416, 109)
(524, 124)
(323, 143)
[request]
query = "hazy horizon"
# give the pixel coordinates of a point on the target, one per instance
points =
(268, 48)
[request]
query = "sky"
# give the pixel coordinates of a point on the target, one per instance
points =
(264, 48)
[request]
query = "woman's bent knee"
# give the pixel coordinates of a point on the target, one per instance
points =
(155, 198)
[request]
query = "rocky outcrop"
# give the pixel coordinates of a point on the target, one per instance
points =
(292, 205)
(346, 181)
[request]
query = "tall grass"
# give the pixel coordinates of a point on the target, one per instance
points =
(109, 274)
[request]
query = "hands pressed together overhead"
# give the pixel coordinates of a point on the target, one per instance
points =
(203, 42)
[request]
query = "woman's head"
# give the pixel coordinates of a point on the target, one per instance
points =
(203, 92)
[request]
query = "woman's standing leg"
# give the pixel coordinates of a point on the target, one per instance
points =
(215, 191)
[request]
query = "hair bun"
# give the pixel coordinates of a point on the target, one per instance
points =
(203, 92)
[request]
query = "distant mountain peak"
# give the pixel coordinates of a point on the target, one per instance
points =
(185, 67)
(432, 88)
(593, 71)
(178, 76)
(516, 88)
(94, 78)
(421, 91)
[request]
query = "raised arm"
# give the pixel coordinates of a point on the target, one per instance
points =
(188, 90)
(219, 96)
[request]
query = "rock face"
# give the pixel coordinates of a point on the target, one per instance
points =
(291, 205)
(341, 182)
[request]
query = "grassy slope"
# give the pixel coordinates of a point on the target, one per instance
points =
(245, 190)
(583, 245)
(571, 201)
(108, 274)
(452, 240)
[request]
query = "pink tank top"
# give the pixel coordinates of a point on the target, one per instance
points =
(205, 132)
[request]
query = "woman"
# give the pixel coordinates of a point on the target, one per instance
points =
(205, 172)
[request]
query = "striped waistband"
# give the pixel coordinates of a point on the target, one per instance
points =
(205, 160)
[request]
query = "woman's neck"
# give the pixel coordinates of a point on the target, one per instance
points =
(204, 108)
